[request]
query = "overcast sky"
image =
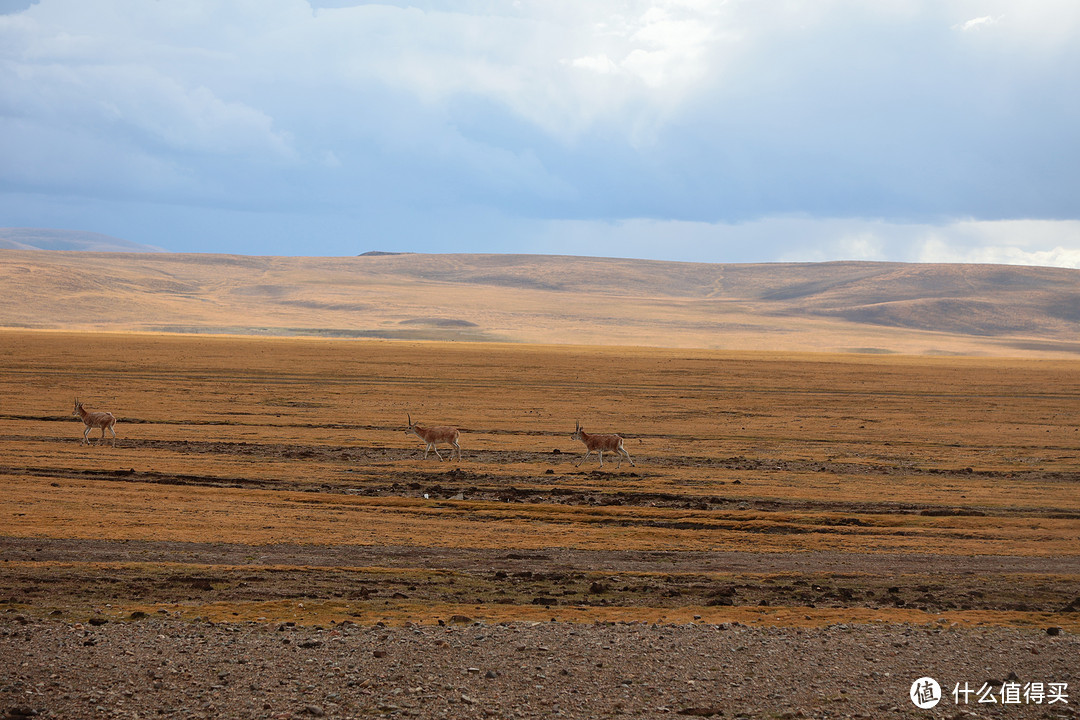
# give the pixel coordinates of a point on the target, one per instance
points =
(746, 130)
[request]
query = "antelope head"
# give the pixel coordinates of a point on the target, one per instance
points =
(577, 430)
(78, 406)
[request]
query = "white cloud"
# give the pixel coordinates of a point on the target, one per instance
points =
(105, 81)
(979, 22)
(1011, 242)
(597, 63)
(937, 251)
(704, 115)
(805, 239)
(846, 244)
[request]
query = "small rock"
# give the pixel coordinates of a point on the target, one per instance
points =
(21, 711)
(1053, 631)
(314, 711)
(700, 711)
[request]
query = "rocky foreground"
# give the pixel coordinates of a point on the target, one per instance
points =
(159, 667)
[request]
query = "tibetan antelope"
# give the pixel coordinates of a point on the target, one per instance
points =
(600, 443)
(442, 434)
(103, 420)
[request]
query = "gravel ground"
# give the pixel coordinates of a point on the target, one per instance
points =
(153, 667)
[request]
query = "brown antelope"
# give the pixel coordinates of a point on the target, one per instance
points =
(441, 434)
(600, 443)
(103, 420)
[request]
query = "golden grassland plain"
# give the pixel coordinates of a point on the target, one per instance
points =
(261, 478)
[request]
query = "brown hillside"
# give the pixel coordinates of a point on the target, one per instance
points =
(843, 306)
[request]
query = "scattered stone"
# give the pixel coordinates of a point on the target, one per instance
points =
(584, 669)
(21, 711)
(700, 711)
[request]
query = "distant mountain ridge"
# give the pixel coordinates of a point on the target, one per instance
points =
(49, 239)
(820, 307)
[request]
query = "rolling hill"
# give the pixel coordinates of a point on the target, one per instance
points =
(833, 307)
(47, 239)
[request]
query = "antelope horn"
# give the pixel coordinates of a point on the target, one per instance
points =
(410, 419)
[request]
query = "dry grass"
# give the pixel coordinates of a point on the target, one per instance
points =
(818, 307)
(285, 442)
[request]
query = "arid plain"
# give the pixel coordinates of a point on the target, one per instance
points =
(827, 479)
(267, 486)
